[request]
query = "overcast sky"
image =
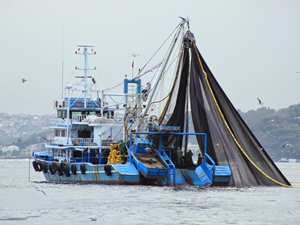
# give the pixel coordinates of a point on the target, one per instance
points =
(252, 47)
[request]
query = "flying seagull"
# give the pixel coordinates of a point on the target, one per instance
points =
(135, 55)
(94, 218)
(259, 101)
(185, 19)
(287, 145)
(38, 189)
(271, 121)
(23, 80)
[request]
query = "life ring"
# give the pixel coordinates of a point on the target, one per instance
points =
(73, 169)
(56, 104)
(34, 164)
(78, 104)
(66, 170)
(82, 168)
(64, 104)
(107, 170)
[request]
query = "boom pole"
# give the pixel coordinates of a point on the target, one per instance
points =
(162, 68)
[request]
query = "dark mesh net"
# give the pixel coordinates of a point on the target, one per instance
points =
(230, 141)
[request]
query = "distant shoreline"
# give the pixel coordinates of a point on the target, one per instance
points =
(29, 157)
(11, 157)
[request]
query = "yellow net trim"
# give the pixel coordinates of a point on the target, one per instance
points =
(231, 133)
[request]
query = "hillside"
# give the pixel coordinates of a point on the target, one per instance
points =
(277, 130)
(23, 130)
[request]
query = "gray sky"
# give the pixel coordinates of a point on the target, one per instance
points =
(252, 47)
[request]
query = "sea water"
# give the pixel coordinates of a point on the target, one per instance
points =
(25, 198)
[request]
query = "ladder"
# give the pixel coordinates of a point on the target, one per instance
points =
(168, 161)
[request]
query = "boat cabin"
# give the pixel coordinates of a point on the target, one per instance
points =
(141, 145)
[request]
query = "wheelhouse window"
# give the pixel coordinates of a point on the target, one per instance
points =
(108, 114)
(61, 133)
(61, 113)
(75, 114)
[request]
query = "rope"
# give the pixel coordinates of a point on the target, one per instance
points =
(90, 58)
(160, 47)
(173, 85)
(231, 133)
(140, 75)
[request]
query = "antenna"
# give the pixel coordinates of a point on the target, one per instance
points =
(85, 53)
(62, 64)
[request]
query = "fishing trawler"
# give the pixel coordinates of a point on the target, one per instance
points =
(123, 138)
(99, 139)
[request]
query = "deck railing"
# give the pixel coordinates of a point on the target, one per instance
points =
(86, 118)
(76, 141)
(86, 141)
(58, 122)
(40, 147)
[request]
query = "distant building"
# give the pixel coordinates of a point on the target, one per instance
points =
(9, 151)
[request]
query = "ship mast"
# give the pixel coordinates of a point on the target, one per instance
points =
(161, 70)
(85, 69)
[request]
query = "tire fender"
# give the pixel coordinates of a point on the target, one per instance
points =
(107, 170)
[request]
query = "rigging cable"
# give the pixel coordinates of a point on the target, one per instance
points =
(173, 86)
(138, 76)
(161, 46)
(98, 72)
(169, 91)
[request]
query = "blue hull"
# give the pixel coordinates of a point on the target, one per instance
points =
(127, 174)
(119, 174)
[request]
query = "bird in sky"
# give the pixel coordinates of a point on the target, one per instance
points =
(135, 55)
(289, 145)
(185, 19)
(259, 101)
(23, 80)
(37, 189)
(94, 218)
(271, 121)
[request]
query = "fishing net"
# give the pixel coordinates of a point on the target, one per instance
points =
(229, 140)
